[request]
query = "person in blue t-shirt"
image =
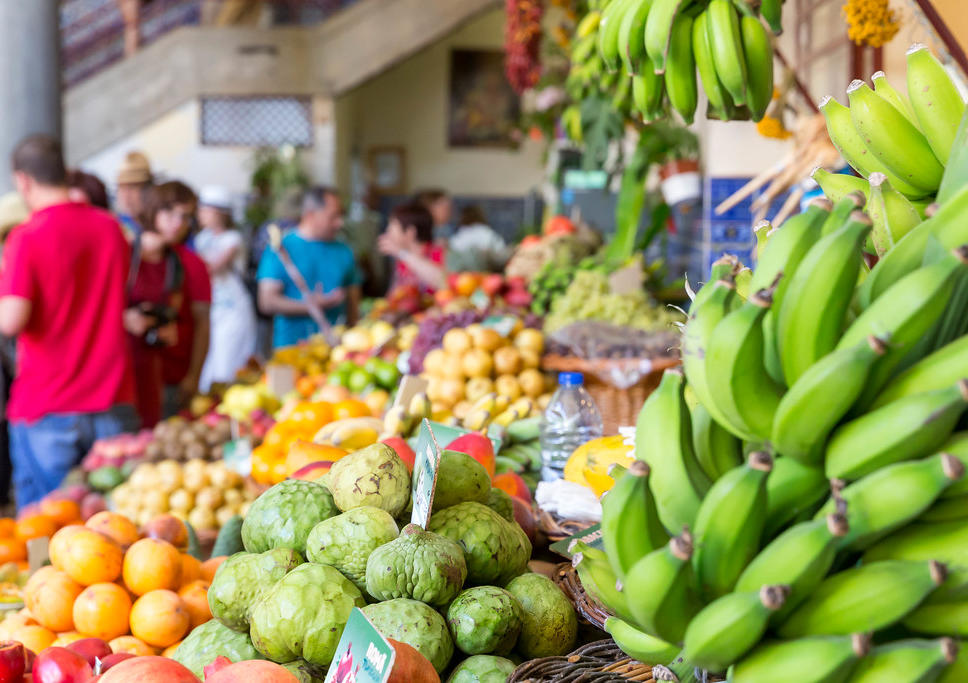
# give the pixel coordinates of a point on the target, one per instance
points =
(327, 266)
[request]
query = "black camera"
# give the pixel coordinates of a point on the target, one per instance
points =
(162, 315)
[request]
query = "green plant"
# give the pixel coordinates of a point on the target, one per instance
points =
(275, 173)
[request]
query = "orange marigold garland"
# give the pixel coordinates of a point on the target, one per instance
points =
(870, 22)
(523, 43)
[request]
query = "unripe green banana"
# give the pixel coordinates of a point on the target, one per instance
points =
(906, 429)
(772, 11)
(663, 439)
(648, 90)
(885, 90)
(851, 146)
(630, 521)
(680, 71)
(631, 36)
(842, 211)
(758, 52)
(956, 168)
(729, 627)
(762, 230)
(704, 315)
(638, 645)
(719, 99)
(946, 619)
(935, 100)
(958, 670)
(957, 446)
(663, 586)
(599, 581)
(947, 541)
(608, 28)
(864, 598)
(947, 510)
(729, 525)
(811, 319)
(818, 659)
(726, 43)
(588, 24)
(906, 660)
(889, 498)
(723, 268)
(800, 558)
(954, 589)
(821, 397)
(947, 226)
(658, 30)
(836, 186)
(717, 451)
(793, 490)
(893, 214)
(892, 139)
(737, 379)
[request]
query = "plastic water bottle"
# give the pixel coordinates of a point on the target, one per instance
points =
(571, 419)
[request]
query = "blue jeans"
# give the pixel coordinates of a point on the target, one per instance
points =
(43, 452)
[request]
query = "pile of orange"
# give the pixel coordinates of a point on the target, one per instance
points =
(269, 460)
(14, 534)
(141, 595)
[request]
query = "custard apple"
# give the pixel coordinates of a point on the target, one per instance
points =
(485, 619)
(241, 581)
(374, 476)
(482, 669)
(460, 478)
(346, 541)
(419, 565)
(549, 625)
(210, 640)
(416, 624)
(283, 516)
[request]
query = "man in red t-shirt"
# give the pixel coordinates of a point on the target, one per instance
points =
(62, 293)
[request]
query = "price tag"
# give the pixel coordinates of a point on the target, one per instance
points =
(237, 454)
(38, 553)
(410, 385)
(425, 467)
(627, 280)
(502, 324)
(281, 379)
(363, 654)
(480, 300)
(591, 536)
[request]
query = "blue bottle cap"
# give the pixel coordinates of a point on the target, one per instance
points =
(570, 379)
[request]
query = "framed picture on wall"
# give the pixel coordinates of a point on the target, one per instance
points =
(483, 109)
(388, 168)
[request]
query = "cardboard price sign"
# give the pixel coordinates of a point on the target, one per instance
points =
(363, 654)
(425, 467)
(591, 536)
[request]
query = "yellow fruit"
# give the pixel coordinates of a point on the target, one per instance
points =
(477, 363)
(486, 339)
(434, 362)
(530, 339)
(597, 455)
(532, 383)
(477, 387)
(451, 391)
(507, 361)
(530, 360)
(507, 385)
(456, 341)
(452, 368)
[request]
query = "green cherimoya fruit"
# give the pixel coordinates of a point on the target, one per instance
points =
(374, 476)
(485, 619)
(499, 501)
(241, 581)
(283, 516)
(302, 616)
(210, 640)
(416, 624)
(482, 669)
(419, 565)
(304, 671)
(460, 478)
(346, 541)
(496, 550)
(549, 625)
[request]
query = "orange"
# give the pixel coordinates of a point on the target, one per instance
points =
(191, 569)
(152, 564)
(279, 471)
(8, 527)
(117, 527)
(159, 618)
(195, 597)
(278, 436)
(85, 555)
(35, 526)
(50, 595)
(261, 468)
(305, 386)
(311, 417)
(34, 637)
(351, 407)
(62, 511)
(12, 550)
(101, 611)
(131, 645)
(210, 566)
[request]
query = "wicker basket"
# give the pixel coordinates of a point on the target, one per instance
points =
(557, 529)
(619, 407)
(600, 662)
(585, 605)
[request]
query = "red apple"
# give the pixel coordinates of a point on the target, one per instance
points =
(513, 485)
(113, 659)
(517, 282)
(60, 665)
(492, 283)
(524, 516)
(452, 281)
(402, 449)
(13, 662)
(478, 447)
(90, 649)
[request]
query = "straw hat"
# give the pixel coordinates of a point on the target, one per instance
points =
(135, 169)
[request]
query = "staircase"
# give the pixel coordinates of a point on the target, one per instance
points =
(112, 97)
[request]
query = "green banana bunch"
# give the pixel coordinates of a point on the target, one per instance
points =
(956, 168)
(843, 208)
(906, 660)
(818, 659)
(631, 37)
(934, 99)
(680, 69)
(865, 598)
(630, 521)
(608, 30)
(772, 12)
(947, 510)
(958, 670)
(908, 428)
(723, 268)
(889, 498)
(599, 581)
(799, 558)
(793, 491)
(891, 138)
(738, 382)
(813, 406)
(719, 100)
(850, 144)
(726, 43)
(717, 451)
(758, 53)
(648, 90)
(946, 541)
(726, 629)
(663, 439)
(810, 322)
(893, 214)
(937, 620)
(729, 525)
(887, 91)
(663, 585)
(658, 30)
(957, 446)
(836, 186)
(639, 645)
